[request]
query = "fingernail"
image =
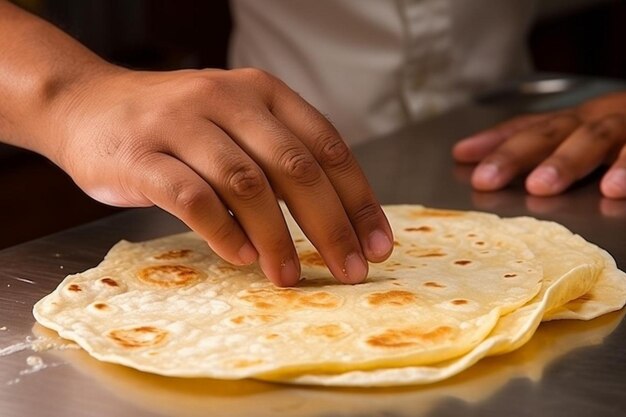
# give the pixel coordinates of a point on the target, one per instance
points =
(488, 174)
(545, 178)
(355, 268)
(378, 243)
(615, 182)
(289, 274)
(247, 254)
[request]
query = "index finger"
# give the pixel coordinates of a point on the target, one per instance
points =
(341, 168)
(477, 146)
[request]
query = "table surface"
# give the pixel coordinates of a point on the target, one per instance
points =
(568, 369)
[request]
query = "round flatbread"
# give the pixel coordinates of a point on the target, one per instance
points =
(172, 307)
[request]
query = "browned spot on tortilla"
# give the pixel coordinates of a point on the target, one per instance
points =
(391, 298)
(397, 284)
(396, 243)
(138, 336)
(463, 262)
(109, 281)
(471, 235)
(435, 213)
(271, 336)
(101, 306)
(509, 275)
(319, 299)
(74, 288)
(299, 240)
(329, 331)
(254, 319)
(289, 298)
(245, 363)
(418, 229)
(168, 276)
(410, 336)
(480, 243)
(459, 302)
(433, 284)
(174, 254)
(312, 258)
(426, 252)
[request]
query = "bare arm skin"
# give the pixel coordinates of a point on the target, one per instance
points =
(201, 144)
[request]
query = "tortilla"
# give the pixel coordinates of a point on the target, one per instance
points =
(202, 397)
(170, 306)
(581, 281)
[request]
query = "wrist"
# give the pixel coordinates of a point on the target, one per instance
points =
(60, 101)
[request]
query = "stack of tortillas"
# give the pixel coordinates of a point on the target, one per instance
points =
(459, 286)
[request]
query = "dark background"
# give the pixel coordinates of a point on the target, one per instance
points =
(36, 198)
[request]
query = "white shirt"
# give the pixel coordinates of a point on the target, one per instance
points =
(374, 65)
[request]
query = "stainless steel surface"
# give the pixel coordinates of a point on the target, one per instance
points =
(568, 369)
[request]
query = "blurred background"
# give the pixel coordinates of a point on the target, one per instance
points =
(584, 37)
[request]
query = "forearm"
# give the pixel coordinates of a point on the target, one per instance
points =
(40, 67)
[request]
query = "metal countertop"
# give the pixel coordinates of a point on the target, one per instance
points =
(567, 369)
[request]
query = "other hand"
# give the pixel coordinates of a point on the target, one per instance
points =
(556, 149)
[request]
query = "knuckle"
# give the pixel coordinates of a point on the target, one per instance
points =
(189, 198)
(552, 132)
(300, 167)
(340, 236)
(555, 128)
(607, 128)
(256, 76)
(244, 181)
(224, 231)
(204, 85)
(333, 151)
(367, 213)
(280, 243)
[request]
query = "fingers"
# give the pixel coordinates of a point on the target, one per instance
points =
(522, 151)
(340, 167)
(613, 184)
(244, 189)
(581, 153)
(325, 192)
(295, 173)
(173, 186)
(476, 147)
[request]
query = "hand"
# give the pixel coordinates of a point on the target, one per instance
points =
(203, 144)
(558, 148)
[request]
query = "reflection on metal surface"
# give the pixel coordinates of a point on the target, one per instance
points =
(533, 87)
(612, 208)
(206, 397)
(547, 86)
(499, 201)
